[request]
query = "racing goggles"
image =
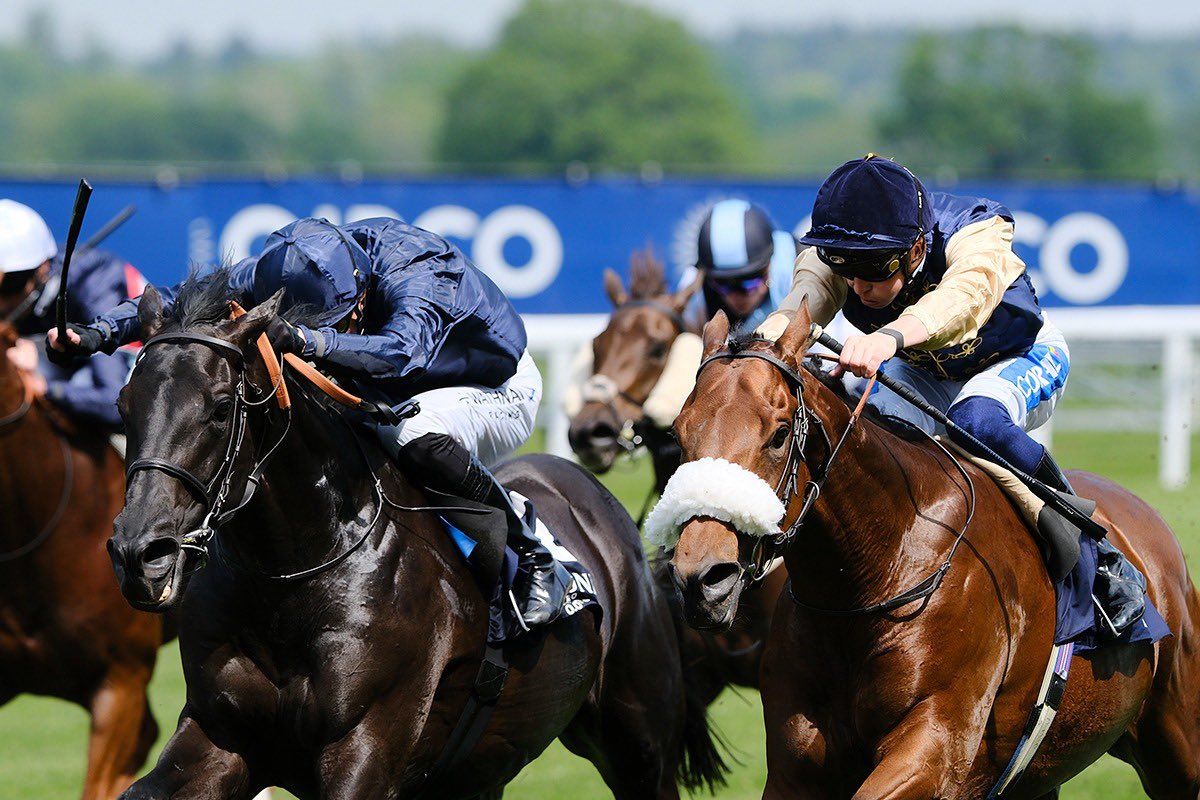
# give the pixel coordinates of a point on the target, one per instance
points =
(868, 265)
(745, 284)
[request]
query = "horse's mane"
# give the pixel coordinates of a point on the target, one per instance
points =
(647, 276)
(203, 298)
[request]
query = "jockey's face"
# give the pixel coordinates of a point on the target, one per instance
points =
(352, 323)
(742, 295)
(877, 294)
(880, 294)
(16, 287)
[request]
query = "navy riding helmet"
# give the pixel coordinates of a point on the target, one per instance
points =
(317, 265)
(869, 203)
(736, 239)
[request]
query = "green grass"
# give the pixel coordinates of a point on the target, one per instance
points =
(42, 741)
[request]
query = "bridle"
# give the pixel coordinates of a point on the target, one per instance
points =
(629, 437)
(214, 493)
(768, 549)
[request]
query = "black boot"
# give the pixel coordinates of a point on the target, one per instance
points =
(1119, 592)
(440, 463)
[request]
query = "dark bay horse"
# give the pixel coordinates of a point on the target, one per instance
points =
(332, 641)
(65, 631)
(929, 699)
(631, 354)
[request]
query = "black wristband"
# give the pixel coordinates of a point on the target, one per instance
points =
(895, 334)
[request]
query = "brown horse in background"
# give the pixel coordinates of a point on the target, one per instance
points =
(65, 630)
(928, 699)
(632, 352)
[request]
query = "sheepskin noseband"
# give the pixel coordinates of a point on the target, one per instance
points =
(714, 487)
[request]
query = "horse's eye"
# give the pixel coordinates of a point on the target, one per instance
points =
(658, 349)
(781, 437)
(222, 410)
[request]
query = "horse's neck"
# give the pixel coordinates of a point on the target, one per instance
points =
(851, 550)
(317, 496)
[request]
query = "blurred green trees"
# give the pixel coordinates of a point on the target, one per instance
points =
(1001, 101)
(615, 86)
(601, 82)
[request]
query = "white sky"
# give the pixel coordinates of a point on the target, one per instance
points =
(142, 28)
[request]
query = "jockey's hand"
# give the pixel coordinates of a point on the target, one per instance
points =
(285, 337)
(82, 341)
(862, 355)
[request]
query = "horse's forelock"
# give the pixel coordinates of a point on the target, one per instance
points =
(647, 278)
(203, 299)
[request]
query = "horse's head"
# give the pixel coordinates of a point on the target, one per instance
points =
(189, 452)
(742, 433)
(629, 357)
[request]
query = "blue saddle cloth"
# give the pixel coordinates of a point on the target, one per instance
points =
(1076, 620)
(502, 622)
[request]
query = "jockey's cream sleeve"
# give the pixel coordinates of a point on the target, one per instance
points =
(980, 267)
(825, 291)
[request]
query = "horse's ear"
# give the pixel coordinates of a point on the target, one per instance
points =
(614, 288)
(794, 340)
(150, 312)
(716, 333)
(680, 299)
(255, 321)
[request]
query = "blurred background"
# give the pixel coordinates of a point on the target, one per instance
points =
(550, 138)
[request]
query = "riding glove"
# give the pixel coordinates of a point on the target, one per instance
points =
(90, 342)
(285, 337)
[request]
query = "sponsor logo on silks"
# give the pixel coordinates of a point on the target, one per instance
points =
(1038, 374)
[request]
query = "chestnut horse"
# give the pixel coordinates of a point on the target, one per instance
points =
(333, 640)
(930, 698)
(631, 353)
(65, 631)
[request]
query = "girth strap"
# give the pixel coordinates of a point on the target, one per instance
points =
(481, 702)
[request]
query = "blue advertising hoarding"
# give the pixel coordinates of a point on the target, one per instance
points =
(546, 242)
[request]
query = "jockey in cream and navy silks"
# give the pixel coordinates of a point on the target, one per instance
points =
(30, 265)
(401, 313)
(934, 280)
(746, 263)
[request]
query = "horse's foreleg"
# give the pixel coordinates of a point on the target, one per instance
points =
(191, 766)
(122, 731)
(928, 755)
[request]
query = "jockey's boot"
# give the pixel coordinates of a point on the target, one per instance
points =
(1120, 589)
(441, 463)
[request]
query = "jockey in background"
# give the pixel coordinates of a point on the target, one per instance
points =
(401, 313)
(935, 281)
(30, 265)
(746, 264)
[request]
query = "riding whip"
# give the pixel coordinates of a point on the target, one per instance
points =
(81, 201)
(1044, 492)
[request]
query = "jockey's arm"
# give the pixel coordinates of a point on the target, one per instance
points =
(825, 291)
(980, 266)
(120, 325)
(402, 350)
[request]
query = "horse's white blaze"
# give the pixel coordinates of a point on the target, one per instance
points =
(714, 487)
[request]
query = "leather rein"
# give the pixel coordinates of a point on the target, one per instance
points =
(769, 549)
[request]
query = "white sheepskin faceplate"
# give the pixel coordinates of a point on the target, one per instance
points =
(714, 487)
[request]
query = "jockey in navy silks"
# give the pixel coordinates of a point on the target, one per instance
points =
(402, 313)
(30, 265)
(952, 315)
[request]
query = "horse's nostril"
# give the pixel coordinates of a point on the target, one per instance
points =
(720, 574)
(160, 553)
